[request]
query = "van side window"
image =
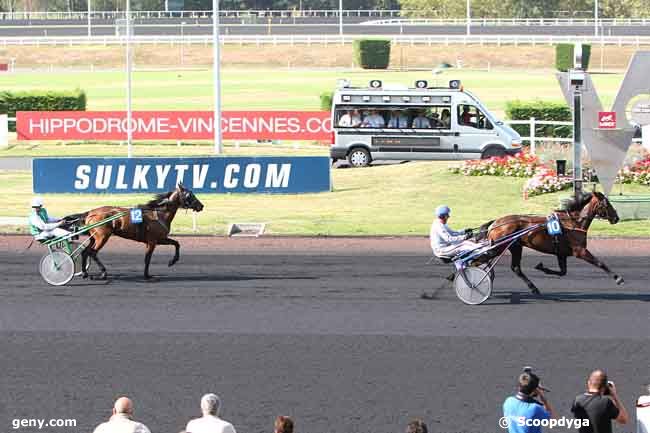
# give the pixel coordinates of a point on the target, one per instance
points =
(428, 117)
(469, 115)
(348, 118)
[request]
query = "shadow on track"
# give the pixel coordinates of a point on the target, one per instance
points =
(504, 298)
(117, 278)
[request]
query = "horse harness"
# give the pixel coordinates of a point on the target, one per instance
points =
(140, 230)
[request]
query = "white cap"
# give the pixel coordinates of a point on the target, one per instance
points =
(37, 201)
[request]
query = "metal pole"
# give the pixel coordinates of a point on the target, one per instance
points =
(129, 132)
(182, 43)
(89, 32)
(340, 17)
(577, 144)
(216, 61)
(595, 17)
(469, 18)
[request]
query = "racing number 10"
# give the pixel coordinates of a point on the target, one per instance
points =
(553, 227)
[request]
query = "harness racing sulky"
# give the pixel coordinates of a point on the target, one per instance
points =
(562, 234)
(149, 223)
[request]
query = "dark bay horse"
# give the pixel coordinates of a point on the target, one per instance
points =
(157, 217)
(575, 222)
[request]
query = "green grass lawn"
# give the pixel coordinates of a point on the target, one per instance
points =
(383, 200)
(275, 89)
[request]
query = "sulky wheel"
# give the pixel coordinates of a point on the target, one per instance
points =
(57, 268)
(475, 288)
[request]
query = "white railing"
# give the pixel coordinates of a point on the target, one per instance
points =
(532, 139)
(393, 17)
(308, 13)
(635, 41)
(485, 22)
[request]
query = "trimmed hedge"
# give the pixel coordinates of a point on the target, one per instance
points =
(10, 102)
(540, 110)
(372, 53)
(564, 57)
(326, 100)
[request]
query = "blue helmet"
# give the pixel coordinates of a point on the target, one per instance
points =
(442, 210)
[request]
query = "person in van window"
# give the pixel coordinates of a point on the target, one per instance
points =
(351, 119)
(445, 117)
(398, 120)
(421, 122)
(374, 120)
(466, 117)
(436, 122)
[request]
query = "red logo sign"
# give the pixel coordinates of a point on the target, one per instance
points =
(173, 125)
(606, 119)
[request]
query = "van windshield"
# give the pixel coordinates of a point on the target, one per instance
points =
(426, 117)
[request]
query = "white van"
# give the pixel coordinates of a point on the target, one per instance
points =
(420, 123)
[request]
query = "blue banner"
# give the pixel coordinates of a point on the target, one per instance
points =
(202, 175)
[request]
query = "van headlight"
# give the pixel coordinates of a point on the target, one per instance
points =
(515, 143)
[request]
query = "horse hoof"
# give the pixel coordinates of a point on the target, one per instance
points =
(540, 266)
(535, 291)
(620, 281)
(172, 263)
(84, 275)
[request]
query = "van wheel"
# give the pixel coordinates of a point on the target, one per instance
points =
(492, 152)
(359, 157)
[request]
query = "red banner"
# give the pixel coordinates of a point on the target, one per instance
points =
(173, 125)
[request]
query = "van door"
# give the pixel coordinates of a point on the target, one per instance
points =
(474, 130)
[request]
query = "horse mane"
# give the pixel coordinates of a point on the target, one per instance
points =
(155, 202)
(573, 205)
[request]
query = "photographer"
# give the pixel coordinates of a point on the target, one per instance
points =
(528, 404)
(600, 405)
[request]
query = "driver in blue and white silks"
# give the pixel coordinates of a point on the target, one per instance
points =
(41, 225)
(445, 242)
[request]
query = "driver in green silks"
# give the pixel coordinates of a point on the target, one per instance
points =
(41, 225)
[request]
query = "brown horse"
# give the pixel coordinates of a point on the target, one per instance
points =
(575, 222)
(157, 217)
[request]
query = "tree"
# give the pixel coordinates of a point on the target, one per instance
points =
(433, 8)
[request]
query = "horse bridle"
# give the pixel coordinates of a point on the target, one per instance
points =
(187, 199)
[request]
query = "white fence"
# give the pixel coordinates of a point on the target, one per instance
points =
(518, 22)
(532, 139)
(308, 13)
(634, 41)
(324, 13)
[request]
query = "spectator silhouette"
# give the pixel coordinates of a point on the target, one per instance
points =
(283, 424)
(210, 421)
(600, 405)
(122, 419)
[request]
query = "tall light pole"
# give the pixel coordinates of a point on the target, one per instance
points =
(595, 17)
(469, 18)
(129, 131)
(89, 32)
(216, 61)
(182, 43)
(341, 18)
